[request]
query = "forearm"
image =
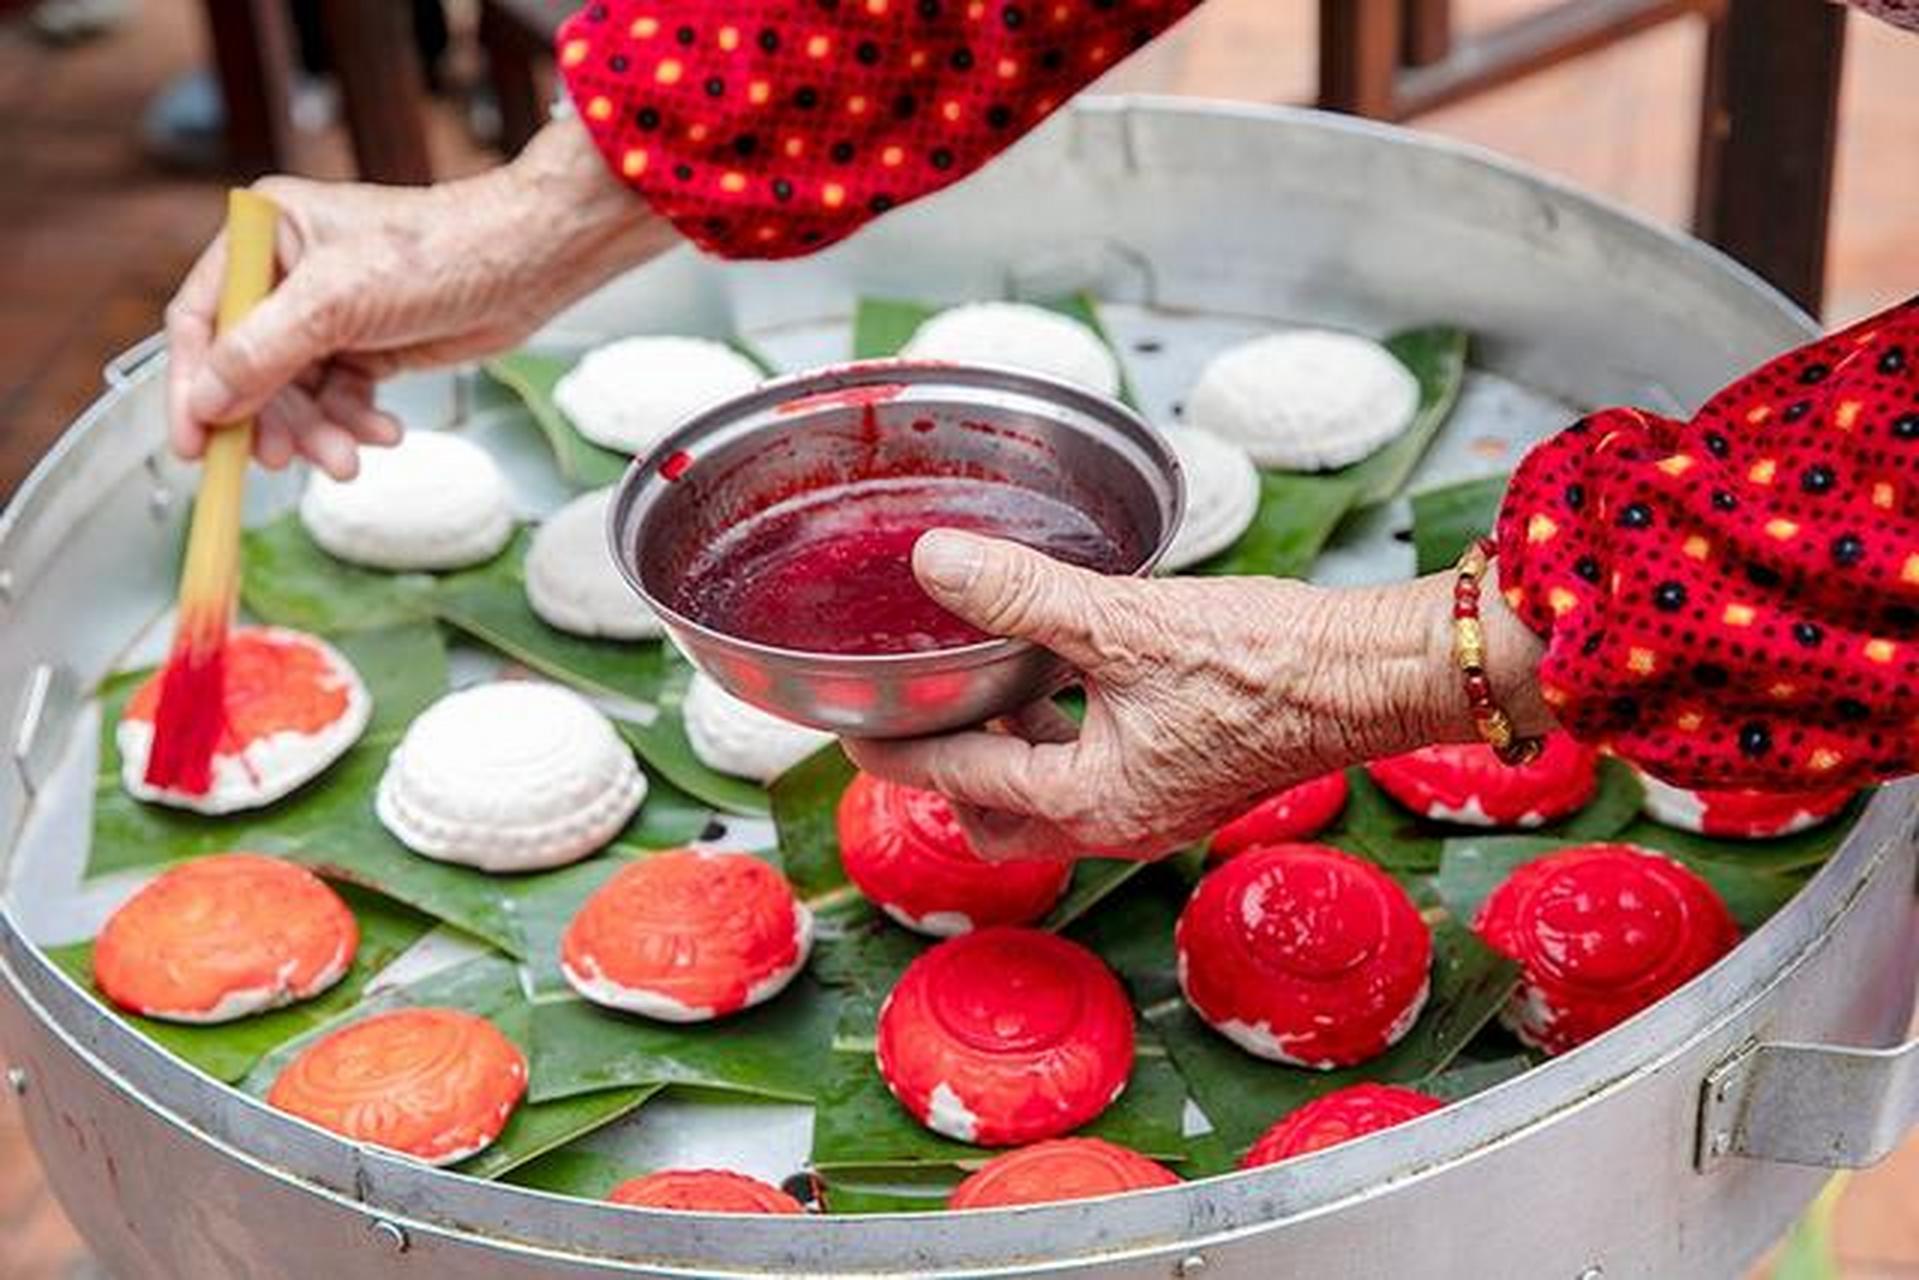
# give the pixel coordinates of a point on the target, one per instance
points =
(1389, 681)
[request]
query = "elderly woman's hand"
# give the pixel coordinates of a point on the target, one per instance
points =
(380, 279)
(1202, 695)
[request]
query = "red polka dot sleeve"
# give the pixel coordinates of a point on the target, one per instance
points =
(1734, 600)
(770, 128)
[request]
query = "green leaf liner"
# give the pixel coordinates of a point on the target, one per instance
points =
(489, 604)
(287, 579)
(895, 1189)
(1475, 865)
(776, 1050)
(1375, 826)
(668, 752)
(571, 1171)
(1243, 1095)
(227, 1051)
(531, 376)
(1298, 512)
(488, 987)
(882, 326)
(858, 1123)
(1801, 851)
(1447, 520)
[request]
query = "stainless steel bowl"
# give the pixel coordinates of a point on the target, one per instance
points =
(891, 417)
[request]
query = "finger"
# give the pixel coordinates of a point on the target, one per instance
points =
(1007, 837)
(986, 770)
(332, 448)
(1042, 722)
(299, 324)
(345, 396)
(189, 329)
(1010, 590)
(273, 437)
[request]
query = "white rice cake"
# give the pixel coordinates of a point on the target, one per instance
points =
(573, 582)
(735, 737)
(1306, 399)
(433, 501)
(630, 394)
(1222, 497)
(1019, 336)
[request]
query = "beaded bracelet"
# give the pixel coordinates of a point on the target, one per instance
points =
(1469, 654)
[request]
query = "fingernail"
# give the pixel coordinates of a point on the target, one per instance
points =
(947, 562)
(209, 397)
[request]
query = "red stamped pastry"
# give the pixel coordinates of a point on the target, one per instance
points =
(1600, 932)
(905, 851)
(1297, 813)
(1063, 1169)
(704, 1191)
(435, 1084)
(1340, 1116)
(1466, 783)
(1303, 954)
(1006, 1036)
(291, 705)
(687, 936)
(1739, 815)
(224, 937)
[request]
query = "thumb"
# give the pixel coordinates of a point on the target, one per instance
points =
(298, 325)
(1010, 590)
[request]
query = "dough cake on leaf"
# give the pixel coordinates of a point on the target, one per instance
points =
(703, 1191)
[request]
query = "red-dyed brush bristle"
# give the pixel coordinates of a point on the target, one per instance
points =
(191, 714)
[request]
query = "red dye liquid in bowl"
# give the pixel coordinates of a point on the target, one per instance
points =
(830, 571)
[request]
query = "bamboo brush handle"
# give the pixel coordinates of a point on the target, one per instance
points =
(212, 567)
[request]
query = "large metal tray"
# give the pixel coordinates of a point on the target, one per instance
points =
(1635, 1156)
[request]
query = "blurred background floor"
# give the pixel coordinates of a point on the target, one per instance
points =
(93, 237)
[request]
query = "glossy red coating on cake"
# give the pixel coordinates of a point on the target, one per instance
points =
(1340, 1116)
(704, 1191)
(436, 1084)
(275, 681)
(1006, 1036)
(1297, 813)
(702, 929)
(1062, 1169)
(1740, 815)
(1465, 783)
(230, 927)
(904, 849)
(1600, 932)
(1301, 953)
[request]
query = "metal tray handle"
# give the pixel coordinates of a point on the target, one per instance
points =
(120, 371)
(1809, 1104)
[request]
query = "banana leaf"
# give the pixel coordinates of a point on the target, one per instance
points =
(571, 1171)
(1474, 866)
(1375, 826)
(487, 986)
(531, 376)
(776, 1050)
(1243, 1095)
(898, 1189)
(1298, 512)
(882, 326)
(489, 604)
(668, 753)
(287, 580)
(404, 668)
(1447, 520)
(228, 1051)
(858, 1123)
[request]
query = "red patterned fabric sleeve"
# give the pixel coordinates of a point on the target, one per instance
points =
(1734, 600)
(770, 128)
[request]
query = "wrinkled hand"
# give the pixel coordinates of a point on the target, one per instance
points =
(377, 279)
(1202, 696)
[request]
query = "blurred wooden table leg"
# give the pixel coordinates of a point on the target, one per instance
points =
(1766, 154)
(253, 55)
(1359, 50)
(381, 88)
